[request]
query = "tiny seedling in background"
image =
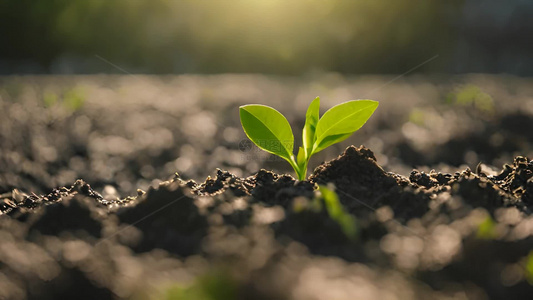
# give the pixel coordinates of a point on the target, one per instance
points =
(529, 267)
(270, 130)
(72, 99)
(487, 229)
(336, 212)
(328, 199)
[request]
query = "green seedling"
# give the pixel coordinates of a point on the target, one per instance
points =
(337, 212)
(486, 229)
(217, 284)
(72, 99)
(529, 268)
(270, 130)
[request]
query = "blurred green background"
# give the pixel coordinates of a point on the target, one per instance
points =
(265, 36)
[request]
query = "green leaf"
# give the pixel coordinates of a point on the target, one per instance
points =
(339, 122)
(311, 119)
(330, 140)
(268, 129)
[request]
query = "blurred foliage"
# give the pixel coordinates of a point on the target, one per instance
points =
(529, 268)
(472, 96)
(337, 212)
(486, 229)
(72, 99)
(49, 99)
(417, 116)
(274, 36)
(212, 286)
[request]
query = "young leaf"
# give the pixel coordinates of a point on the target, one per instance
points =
(311, 119)
(330, 140)
(268, 129)
(339, 122)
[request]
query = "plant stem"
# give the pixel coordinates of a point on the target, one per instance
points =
(300, 173)
(303, 172)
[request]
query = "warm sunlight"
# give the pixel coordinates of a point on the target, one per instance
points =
(266, 149)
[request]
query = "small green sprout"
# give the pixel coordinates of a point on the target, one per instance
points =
(529, 268)
(270, 130)
(337, 212)
(486, 229)
(217, 284)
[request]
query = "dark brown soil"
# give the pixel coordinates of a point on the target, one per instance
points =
(461, 231)
(248, 227)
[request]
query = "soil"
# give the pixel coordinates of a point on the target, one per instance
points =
(442, 195)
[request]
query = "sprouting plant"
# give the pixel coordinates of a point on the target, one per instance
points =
(337, 212)
(270, 130)
(326, 198)
(487, 229)
(72, 99)
(529, 267)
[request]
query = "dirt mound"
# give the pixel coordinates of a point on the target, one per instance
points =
(261, 237)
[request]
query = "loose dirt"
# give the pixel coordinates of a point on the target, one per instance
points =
(442, 195)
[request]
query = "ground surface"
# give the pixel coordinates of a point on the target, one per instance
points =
(132, 228)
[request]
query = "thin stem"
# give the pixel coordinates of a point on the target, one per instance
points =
(300, 173)
(303, 171)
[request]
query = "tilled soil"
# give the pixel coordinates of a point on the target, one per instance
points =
(464, 231)
(463, 236)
